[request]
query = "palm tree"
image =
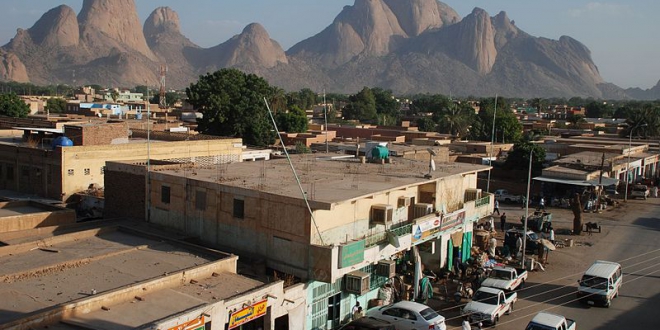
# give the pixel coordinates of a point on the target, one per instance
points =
(645, 122)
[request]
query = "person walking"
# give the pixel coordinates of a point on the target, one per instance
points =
(551, 232)
(503, 221)
(497, 207)
(542, 204)
(466, 325)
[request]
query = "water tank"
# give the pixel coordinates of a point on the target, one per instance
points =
(62, 141)
(380, 152)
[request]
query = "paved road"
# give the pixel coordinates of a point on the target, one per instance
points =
(631, 236)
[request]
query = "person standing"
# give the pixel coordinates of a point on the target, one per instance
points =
(492, 244)
(497, 207)
(542, 204)
(519, 245)
(466, 325)
(552, 235)
(503, 221)
(355, 309)
(358, 314)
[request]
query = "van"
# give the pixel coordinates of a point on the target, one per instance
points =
(600, 283)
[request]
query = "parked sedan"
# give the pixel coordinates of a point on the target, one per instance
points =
(408, 315)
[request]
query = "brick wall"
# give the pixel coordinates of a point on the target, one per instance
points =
(124, 194)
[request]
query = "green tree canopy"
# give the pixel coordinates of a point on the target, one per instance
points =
(455, 119)
(12, 106)
(56, 105)
(361, 106)
(518, 158)
(387, 107)
(293, 121)
(426, 124)
(505, 122)
(597, 109)
(428, 103)
(643, 123)
(232, 104)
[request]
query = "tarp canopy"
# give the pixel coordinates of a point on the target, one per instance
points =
(584, 183)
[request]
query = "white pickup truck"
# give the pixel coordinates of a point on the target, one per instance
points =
(506, 278)
(549, 321)
(488, 305)
(503, 196)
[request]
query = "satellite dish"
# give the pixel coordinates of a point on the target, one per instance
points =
(432, 165)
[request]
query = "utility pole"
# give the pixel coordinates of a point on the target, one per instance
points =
(162, 102)
(325, 110)
(490, 155)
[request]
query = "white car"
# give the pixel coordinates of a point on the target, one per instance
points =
(408, 315)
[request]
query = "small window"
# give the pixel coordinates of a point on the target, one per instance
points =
(165, 194)
(102, 170)
(200, 200)
(239, 208)
(70, 172)
(87, 171)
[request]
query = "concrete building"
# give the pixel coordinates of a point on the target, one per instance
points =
(29, 163)
(343, 237)
(116, 275)
(25, 215)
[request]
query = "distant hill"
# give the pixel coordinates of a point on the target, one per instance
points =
(414, 46)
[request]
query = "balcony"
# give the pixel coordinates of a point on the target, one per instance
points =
(381, 237)
(480, 207)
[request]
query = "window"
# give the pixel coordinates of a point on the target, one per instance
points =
(200, 200)
(102, 170)
(87, 172)
(239, 208)
(165, 194)
(70, 172)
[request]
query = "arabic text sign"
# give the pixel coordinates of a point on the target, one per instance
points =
(196, 324)
(452, 220)
(248, 314)
(425, 228)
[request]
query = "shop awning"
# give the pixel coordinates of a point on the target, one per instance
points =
(584, 183)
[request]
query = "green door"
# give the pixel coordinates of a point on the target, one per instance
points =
(450, 255)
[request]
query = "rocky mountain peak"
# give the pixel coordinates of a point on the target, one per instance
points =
(475, 41)
(57, 27)
(163, 20)
(417, 16)
(105, 24)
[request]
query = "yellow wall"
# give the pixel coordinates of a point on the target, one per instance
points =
(79, 158)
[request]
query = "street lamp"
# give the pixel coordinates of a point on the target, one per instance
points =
(529, 181)
(628, 165)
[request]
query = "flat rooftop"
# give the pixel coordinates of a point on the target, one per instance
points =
(324, 180)
(45, 269)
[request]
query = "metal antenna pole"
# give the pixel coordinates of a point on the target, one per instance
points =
(148, 196)
(325, 110)
(490, 155)
(529, 180)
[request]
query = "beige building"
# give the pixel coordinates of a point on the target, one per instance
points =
(342, 236)
(29, 163)
(118, 275)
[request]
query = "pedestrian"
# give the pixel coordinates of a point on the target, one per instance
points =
(542, 204)
(355, 309)
(503, 221)
(552, 234)
(491, 224)
(519, 245)
(497, 207)
(466, 325)
(358, 314)
(492, 244)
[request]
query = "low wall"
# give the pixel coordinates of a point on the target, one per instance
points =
(50, 216)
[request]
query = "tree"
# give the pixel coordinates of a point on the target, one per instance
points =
(387, 106)
(596, 109)
(519, 157)
(293, 121)
(426, 124)
(505, 121)
(12, 106)
(455, 119)
(361, 106)
(576, 120)
(56, 105)
(232, 105)
(643, 123)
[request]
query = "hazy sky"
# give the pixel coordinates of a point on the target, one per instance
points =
(622, 34)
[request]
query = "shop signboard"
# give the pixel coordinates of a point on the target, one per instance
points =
(351, 253)
(248, 314)
(424, 228)
(452, 220)
(196, 324)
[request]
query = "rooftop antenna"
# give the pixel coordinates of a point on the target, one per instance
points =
(162, 102)
(325, 115)
(295, 174)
